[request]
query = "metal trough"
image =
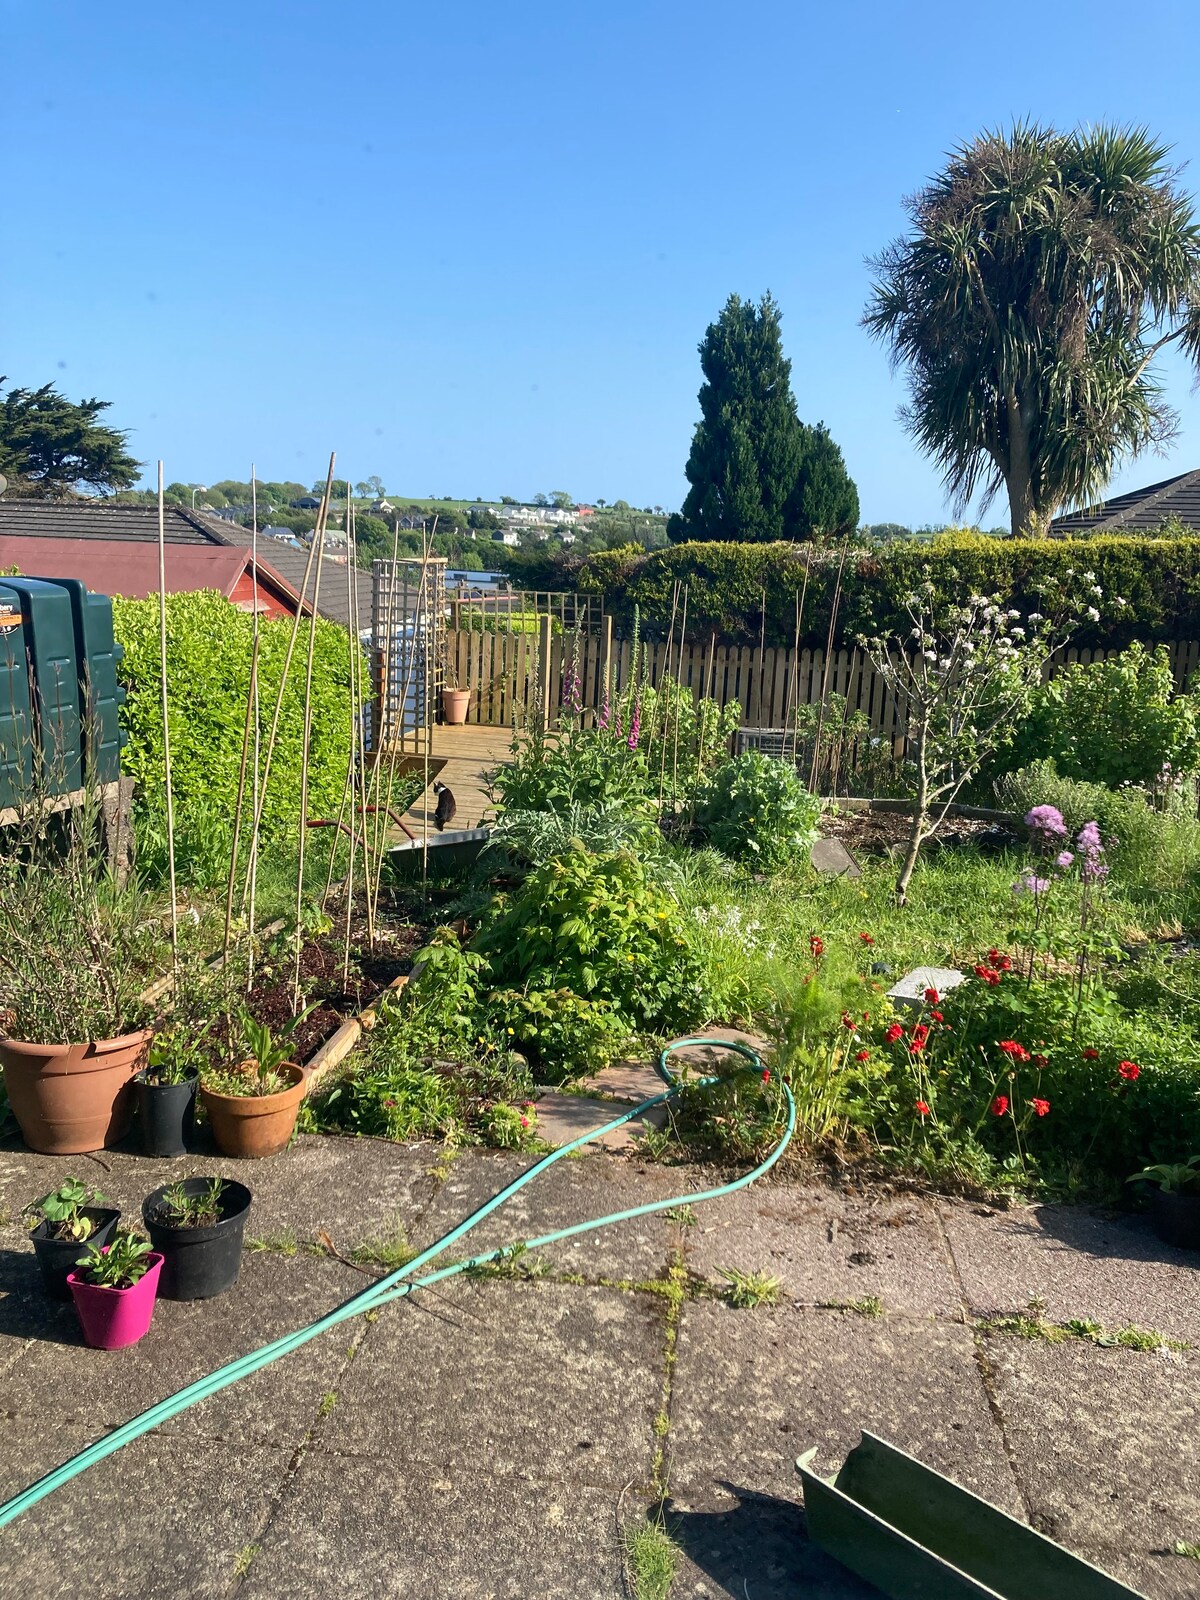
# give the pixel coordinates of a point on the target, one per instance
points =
(450, 852)
(916, 1535)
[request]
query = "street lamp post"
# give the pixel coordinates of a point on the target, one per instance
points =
(198, 488)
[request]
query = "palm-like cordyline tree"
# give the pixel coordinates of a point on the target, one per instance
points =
(1043, 273)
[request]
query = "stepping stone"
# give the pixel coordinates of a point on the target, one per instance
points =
(910, 991)
(702, 1058)
(832, 860)
(631, 1081)
(563, 1117)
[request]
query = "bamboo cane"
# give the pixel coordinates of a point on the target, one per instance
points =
(314, 548)
(241, 795)
(796, 651)
(253, 873)
(162, 659)
(833, 613)
(678, 701)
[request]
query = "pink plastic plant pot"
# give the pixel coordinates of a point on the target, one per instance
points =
(113, 1318)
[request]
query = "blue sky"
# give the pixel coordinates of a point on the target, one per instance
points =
(473, 248)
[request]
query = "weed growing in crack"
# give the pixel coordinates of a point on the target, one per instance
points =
(389, 1250)
(513, 1262)
(284, 1243)
(245, 1556)
(746, 1290)
(651, 1558)
(1032, 1324)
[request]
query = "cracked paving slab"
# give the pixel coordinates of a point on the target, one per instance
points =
(1106, 1445)
(1081, 1263)
(163, 1519)
(58, 1376)
(571, 1191)
(825, 1246)
(373, 1526)
(537, 1380)
(754, 1389)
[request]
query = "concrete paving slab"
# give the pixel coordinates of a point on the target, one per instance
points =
(754, 1389)
(832, 860)
(562, 1118)
(630, 1081)
(909, 993)
(537, 1380)
(571, 1191)
(163, 1519)
(373, 1527)
(1106, 1445)
(1081, 1263)
(353, 1187)
(759, 1546)
(57, 1374)
(824, 1246)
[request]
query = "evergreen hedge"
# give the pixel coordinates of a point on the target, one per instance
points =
(208, 679)
(1159, 579)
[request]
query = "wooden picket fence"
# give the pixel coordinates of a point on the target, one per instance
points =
(513, 676)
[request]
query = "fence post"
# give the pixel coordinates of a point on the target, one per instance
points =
(545, 635)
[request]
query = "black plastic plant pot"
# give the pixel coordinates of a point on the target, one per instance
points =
(57, 1257)
(1176, 1219)
(166, 1115)
(199, 1263)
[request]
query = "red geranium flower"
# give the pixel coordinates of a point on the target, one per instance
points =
(848, 1021)
(867, 938)
(766, 1075)
(863, 1055)
(1040, 1106)
(997, 958)
(1129, 1070)
(1041, 1061)
(988, 974)
(936, 1016)
(893, 1033)
(932, 997)
(817, 945)
(999, 1105)
(1090, 1054)
(921, 1108)
(1012, 1048)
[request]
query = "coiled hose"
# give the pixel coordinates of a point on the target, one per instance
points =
(400, 1283)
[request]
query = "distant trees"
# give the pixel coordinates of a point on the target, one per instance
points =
(756, 471)
(561, 500)
(372, 486)
(50, 446)
(1041, 275)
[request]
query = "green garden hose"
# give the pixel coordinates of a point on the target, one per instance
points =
(400, 1283)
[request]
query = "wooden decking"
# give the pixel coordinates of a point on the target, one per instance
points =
(467, 754)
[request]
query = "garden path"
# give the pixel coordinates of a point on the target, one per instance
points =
(491, 1441)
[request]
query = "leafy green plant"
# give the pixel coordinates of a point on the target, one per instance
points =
(119, 1266)
(63, 1209)
(755, 809)
(567, 1034)
(603, 928)
(651, 1558)
(817, 1021)
(178, 1209)
(1177, 1178)
(266, 1051)
(176, 1055)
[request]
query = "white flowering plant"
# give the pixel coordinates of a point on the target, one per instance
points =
(963, 674)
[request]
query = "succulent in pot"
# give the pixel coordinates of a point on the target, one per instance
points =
(198, 1224)
(253, 1106)
(76, 952)
(61, 1222)
(166, 1090)
(1174, 1201)
(114, 1288)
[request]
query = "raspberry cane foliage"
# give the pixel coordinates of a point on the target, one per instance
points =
(965, 673)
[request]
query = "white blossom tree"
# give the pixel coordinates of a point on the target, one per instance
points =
(962, 675)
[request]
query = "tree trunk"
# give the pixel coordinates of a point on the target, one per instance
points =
(1026, 517)
(920, 809)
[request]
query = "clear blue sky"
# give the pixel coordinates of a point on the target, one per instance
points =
(473, 247)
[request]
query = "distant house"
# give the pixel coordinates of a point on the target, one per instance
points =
(1139, 511)
(381, 506)
(501, 537)
(114, 550)
(307, 502)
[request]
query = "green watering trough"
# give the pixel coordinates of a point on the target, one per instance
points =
(448, 853)
(917, 1536)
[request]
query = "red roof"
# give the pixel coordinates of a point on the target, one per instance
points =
(130, 567)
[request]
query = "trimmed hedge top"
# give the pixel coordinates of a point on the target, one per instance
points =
(1159, 579)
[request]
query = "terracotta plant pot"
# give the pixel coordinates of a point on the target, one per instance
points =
(253, 1125)
(72, 1098)
(113, 1318)
(455, 704)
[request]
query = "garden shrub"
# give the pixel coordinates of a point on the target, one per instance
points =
(726, 583)
(208, 670)
(589, 768)
(754, 809)
(602, 927)
(1150, 847)
(1113, 722)
(560, 1031)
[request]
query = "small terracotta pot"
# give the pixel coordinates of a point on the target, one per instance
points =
(72, 1098)
(455, 703)
(254, 1125)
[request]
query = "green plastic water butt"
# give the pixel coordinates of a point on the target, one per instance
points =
(98, 655)
(16, 709)
(50, 642)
